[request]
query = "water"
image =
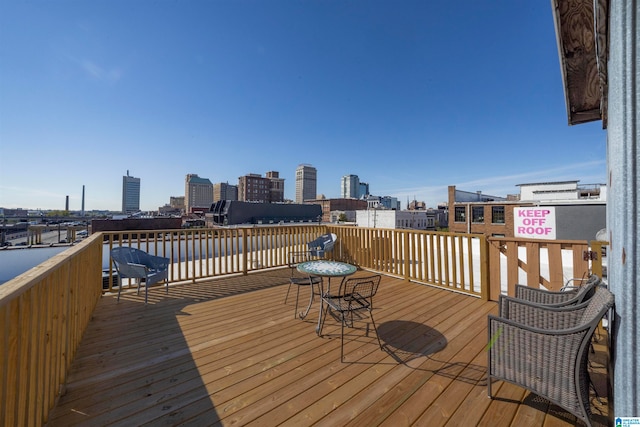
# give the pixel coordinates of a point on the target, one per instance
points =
(14, 262)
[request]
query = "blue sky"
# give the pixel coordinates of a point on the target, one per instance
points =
(411, 96)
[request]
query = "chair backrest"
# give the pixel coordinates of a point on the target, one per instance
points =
(586, 291)
(127, 255)
(598, 305)
(123, 257)
(322, 244)
(364, 287)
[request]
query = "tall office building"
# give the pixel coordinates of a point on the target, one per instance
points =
(276, 187)
(198, 192)
(363, 190)
(306, 183)
(349, 187)
(254, 187)
(225, 191)
(352, 188)
(130, 194)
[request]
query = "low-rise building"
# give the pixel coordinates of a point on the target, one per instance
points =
(391, 218)
(234, 212)
(554, 210)
(343, 204)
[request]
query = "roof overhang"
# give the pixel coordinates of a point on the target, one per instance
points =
(582, 36)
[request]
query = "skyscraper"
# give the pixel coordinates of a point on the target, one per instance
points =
(350, 187)
(198, 192)
(306, 183)
(225, 191)
(130, 194)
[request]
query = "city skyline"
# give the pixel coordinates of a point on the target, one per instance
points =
(412, 96)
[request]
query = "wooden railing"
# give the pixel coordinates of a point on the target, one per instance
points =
(448, 260)
(43, 314)
(536, 263)
(204, 253)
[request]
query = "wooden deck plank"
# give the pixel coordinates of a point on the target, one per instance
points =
(229, 352)
(440, 370)
(376, 394)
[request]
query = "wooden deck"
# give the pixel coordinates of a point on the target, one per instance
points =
(229, 352)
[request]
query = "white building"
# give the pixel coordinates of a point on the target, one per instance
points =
(562, 191)
(383, 218)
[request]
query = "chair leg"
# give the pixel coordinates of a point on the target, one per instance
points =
(375, 328)
(322, 319)
(342, 318)
(295, 310)
(119, 286)
(287, 296)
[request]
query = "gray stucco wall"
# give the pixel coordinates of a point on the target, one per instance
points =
(623, 202)
(580, 222)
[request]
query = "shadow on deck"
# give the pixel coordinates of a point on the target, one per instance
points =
(229, 352)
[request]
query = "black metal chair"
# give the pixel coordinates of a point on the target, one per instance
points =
(355, 295)
(294, 258)
(137, 264)
(317, 248)
(545, 350)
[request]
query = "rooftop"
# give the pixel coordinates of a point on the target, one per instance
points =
(230, 352)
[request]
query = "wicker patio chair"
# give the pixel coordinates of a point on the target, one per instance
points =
(136, 264)
(355, 294)
(545, 350)
(571, 296)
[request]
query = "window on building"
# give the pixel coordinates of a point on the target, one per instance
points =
(460, 214)
(477, 214)
(497, 215)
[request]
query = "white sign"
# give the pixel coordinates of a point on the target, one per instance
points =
(535, 222)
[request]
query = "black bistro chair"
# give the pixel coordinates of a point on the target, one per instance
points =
(355, 295)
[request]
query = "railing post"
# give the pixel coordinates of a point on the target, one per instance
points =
(485, 291)
(406, 255)
(595, 256)
(245, 249)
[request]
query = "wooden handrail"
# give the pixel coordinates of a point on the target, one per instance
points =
(43, 314)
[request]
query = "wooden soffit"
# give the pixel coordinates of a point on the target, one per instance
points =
(581, 33)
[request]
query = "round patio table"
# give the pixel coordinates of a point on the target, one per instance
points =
(326, 269)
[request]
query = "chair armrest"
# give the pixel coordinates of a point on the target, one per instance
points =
(158, 262)
(495, 322)
(540, 316)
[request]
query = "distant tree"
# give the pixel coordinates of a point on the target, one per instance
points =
(58, 213)
(342, 217)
